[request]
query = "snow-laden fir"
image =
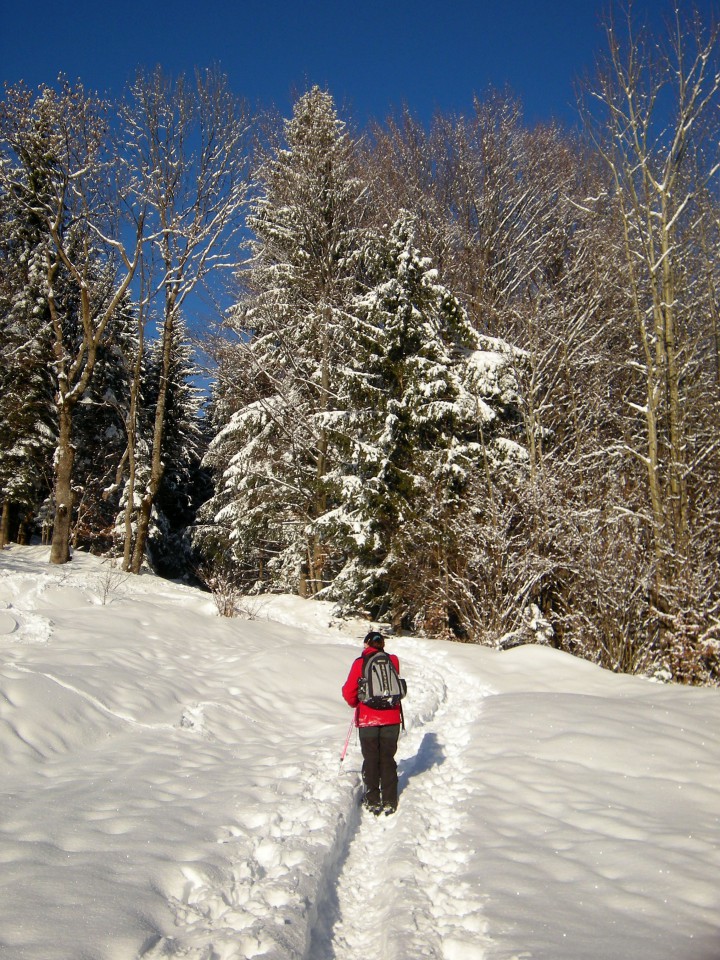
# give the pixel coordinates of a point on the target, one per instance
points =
(172, 788)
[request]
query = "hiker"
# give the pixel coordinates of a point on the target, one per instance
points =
(379, 730)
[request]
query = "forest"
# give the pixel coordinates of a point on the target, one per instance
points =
(461, 378)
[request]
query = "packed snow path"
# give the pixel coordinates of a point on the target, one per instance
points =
(388, 886)
(398, 895)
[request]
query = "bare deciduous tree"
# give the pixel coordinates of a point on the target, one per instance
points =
(653, 119)
(188, 149)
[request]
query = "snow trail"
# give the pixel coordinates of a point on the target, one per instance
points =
(388, 887)
(399, 893)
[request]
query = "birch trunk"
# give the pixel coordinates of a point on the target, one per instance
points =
(64, 459)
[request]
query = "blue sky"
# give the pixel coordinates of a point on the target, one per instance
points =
(372, 56)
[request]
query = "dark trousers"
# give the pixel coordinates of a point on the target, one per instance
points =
(379, 770)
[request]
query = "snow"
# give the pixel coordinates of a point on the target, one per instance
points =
(172, 788)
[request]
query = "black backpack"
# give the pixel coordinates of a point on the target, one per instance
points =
(380, 687)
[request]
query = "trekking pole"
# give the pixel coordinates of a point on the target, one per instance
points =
(347, 738)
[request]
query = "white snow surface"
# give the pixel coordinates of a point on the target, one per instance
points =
(171, 787)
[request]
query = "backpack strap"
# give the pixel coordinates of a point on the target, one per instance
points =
(368, 660)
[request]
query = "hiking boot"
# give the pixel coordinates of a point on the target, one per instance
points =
(389, 809)
(374, 808)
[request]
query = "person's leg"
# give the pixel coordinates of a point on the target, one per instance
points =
(370, 746)
(388, 742)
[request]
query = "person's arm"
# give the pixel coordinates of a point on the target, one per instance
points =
(350, 688)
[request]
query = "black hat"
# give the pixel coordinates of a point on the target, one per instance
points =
(375, 639)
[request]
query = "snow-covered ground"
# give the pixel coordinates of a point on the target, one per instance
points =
(171, 787)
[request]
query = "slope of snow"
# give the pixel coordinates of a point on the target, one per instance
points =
(172, 788)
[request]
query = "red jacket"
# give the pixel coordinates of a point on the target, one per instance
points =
(366, 716)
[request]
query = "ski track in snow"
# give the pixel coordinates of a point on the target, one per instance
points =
(95, 701)
(388, 887)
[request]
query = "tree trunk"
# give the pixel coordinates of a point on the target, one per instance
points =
(22, 534)
(65, 455)
(317, 555)
(5, 524)
(317, 558)
(141, 532)
(677, 481)
(129, 507)
(131, 428)
(157, 466)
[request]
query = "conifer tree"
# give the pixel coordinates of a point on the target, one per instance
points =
(276, 452)
(413, 436)
(27, 432)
